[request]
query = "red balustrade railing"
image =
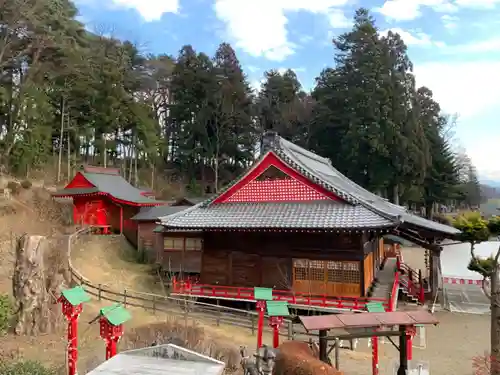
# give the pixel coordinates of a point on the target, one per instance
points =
(244, 293)
(393, 299)
(411, 281)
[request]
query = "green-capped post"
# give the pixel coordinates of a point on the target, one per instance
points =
(263, 294)
(277, 308)
(75, 296)
(116, 314)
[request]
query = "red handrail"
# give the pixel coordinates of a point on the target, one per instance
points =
(394, 294)
(245, 293)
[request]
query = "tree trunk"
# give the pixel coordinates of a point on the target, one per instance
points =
(61, 137)
(495, 323)
(104, 151)
(395, 194)
(136, 156)
(69, 152)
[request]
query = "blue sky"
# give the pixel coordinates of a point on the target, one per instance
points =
(454, 45)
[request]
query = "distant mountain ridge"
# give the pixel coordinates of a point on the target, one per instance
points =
(491, 183)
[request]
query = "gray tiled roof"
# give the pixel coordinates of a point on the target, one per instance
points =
(112, 184)
(320, 171)
(155, 212)
(118, 187)
(318, 214)
(73, 191)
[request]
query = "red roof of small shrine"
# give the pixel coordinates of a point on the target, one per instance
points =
(108, 181)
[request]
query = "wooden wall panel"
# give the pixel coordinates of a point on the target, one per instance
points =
(215, 267)
(246, 269)
(146, 239)
(368, 271)
(276, 272)
(249, 259)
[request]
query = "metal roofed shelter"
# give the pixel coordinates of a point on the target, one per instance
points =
(159, 360)
(103, 199)
(376, 325)
(293, 220)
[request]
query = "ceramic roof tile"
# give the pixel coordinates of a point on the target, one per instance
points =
(361, 209)
(319, 214)
(322, 170)
(154, 213)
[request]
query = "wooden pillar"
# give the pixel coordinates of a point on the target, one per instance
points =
(362, 276)
(323, 346)
(403, 355)
(121, 219)
(435, 259)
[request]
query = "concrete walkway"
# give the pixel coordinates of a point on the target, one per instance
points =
(385, 279)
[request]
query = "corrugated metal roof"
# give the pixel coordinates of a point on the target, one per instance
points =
(318, 214)
(163, 359)
(320, 171)
(154, 213)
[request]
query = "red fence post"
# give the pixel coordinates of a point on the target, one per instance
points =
(275, 322)
(261, 306)
(375, 355)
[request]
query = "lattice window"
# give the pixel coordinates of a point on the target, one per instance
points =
(351, 274)
(194, 244)
(317, 270)
(301, 268)
(335, 271)
(173, 243)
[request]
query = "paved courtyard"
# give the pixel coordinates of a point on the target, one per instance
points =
(466, 299)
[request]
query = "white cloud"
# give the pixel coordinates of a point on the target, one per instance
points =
(150, 10)
(450, 22)
(411, 39)
(488, 45)
(480, 4)
(338, 20)
(466, 88)
(406, 10)
(259, 26)
(486, 165)
(470, 90)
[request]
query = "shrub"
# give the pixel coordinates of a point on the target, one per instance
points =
(5, 313)
(26, 184)
(24, 368)
(443, 219)
(14, 187)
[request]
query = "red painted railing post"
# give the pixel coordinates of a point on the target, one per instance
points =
(174, 284)
(275, 322)
(398, 263)
(261, 306)
(375, 355)
(409, 344)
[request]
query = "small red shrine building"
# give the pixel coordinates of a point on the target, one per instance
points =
(293, 222)
(103, 199)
